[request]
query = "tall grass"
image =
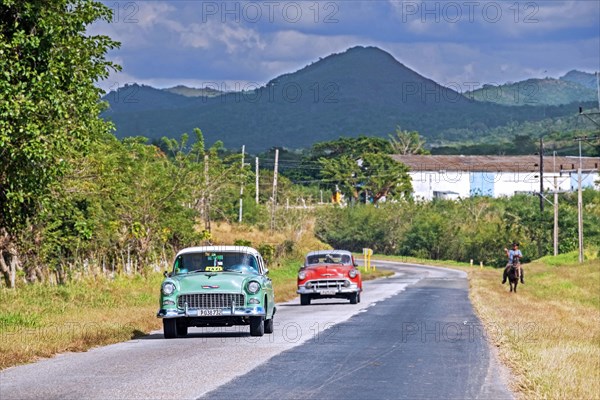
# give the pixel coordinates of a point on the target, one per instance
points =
(41, 320)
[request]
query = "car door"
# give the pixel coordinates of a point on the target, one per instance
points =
(268, 285)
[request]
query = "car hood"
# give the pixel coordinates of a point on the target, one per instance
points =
(327, 271)
(216, 282)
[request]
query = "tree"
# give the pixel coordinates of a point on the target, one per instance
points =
(405, 142)
(384, 177)
(376, 173)
(49, 106)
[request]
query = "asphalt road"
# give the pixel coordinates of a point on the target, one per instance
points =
(413, 336)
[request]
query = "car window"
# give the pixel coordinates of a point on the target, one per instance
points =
(330, 258)
(216, 262)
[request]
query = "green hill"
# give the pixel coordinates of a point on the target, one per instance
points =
(363, 90)
(194, 92)
(583, 78)
(546, 91)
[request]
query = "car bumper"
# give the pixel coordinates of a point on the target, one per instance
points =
(218, 312)
(320, 291)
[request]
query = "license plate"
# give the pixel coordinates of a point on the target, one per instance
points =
(328, 291)
(210, 312)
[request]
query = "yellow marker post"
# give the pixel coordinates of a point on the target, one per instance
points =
(367, 253)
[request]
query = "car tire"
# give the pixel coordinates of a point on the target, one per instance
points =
(269, 325)
(358, 295)
(305, 299)
(354, 298)
(257, 326)
(170, 328)
(182, 329)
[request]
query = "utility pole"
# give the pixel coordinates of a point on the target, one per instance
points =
(242, 184)
(580, 214)
(541, 175)
(555, 215)
(206, 196)
(579, 171)
(274, 205)
(256, 179)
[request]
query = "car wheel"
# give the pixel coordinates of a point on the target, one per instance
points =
(170, 328)
(305, 299)
(358, 297)
(269, 325)
(354, 298)
(257, 327)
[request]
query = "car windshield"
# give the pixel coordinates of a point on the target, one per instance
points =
(216, 262)
(331, 258)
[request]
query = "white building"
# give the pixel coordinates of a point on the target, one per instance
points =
(454, 177)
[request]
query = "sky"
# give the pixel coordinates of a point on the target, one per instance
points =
(238, 44)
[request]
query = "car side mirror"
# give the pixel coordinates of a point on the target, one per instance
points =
(266, 271)
(166, 274)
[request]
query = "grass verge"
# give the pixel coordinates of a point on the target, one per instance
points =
(548, 333)
(39, 321)
(43, 320)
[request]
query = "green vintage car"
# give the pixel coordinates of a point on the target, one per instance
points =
(217, 286)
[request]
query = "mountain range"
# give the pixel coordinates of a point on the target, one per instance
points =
(363, 90)
(573, 87)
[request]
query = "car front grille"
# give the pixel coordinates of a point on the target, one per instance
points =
(210, 300)
(327, 283)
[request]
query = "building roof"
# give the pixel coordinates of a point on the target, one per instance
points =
(495, 163)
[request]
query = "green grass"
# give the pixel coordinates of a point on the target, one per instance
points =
(571, 258)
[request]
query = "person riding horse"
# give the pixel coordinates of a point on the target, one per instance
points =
(514, 258)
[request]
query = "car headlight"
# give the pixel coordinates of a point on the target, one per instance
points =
(352, 273)
(253, 287)
(168, 288)
(302, 275)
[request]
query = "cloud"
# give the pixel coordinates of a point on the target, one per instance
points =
(234, 37)
(492, 19)
(166, 43)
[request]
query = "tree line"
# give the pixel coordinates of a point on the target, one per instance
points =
(475, 228)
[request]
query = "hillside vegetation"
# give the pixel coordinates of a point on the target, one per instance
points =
(362, 91)
(547, 91)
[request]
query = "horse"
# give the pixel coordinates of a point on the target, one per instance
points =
(513, 276)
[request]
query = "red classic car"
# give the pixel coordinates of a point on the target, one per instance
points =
(329, 274)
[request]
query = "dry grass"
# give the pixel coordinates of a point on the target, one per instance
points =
(39, 321)
(548, 334)
(42, 320)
